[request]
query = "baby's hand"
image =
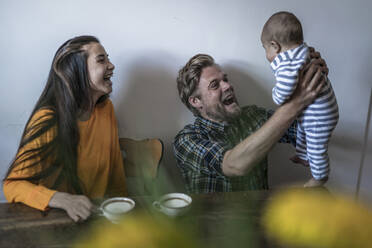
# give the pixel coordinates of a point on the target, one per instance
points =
(315, 183)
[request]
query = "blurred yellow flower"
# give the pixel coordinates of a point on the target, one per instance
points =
(315, 218)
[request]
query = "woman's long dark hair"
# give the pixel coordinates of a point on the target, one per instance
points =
(66, 94)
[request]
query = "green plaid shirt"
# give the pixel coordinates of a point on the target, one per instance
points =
(200, 147)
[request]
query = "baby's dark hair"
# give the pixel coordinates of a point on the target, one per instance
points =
(284, 28)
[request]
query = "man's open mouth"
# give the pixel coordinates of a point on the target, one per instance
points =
(229, 100)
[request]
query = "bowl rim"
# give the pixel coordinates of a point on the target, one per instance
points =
(117, 199)
(182, 196)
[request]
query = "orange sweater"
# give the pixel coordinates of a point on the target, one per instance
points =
(99, 162)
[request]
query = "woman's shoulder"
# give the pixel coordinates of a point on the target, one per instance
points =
(39, 120)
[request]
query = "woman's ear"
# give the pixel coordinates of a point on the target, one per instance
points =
(276, 46)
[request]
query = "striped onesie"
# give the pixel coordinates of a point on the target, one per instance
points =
(316, 123)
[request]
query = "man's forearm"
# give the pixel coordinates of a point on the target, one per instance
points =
(240, 160)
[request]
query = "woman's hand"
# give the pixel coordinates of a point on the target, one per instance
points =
(78, 207)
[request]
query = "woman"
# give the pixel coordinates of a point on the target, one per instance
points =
(69, 149)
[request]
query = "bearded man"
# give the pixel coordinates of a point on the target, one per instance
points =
(226, 148)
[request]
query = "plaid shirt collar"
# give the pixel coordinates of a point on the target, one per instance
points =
(209, 125)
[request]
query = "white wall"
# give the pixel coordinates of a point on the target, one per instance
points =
(149, 41)
(365, 192)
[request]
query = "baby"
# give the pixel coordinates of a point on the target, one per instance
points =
(285, 49)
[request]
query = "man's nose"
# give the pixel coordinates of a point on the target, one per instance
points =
(225, 85)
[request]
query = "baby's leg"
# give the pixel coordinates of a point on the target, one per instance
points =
(317, 150)
(301, 157)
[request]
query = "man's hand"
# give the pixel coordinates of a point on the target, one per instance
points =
(310, 82)
(316, 55)
(78, 207)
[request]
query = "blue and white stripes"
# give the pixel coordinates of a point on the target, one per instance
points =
(286, 67)
(316, 123)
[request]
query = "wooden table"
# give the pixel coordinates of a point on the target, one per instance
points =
(219, 219)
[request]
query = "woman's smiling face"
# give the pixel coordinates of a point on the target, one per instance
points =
(100, 70)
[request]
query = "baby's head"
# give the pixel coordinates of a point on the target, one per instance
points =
(283, 31)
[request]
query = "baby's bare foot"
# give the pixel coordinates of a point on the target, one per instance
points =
(297, 160)
(315, 183)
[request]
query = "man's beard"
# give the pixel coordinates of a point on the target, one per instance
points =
(219, 113)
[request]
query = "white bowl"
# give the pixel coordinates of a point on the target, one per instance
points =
(114, 208)
(173, 204)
